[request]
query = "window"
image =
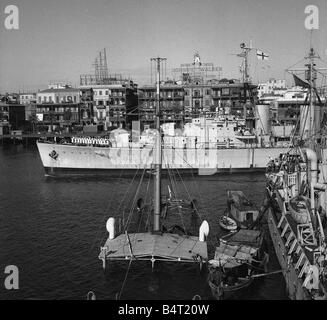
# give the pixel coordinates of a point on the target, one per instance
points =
(39, 99)
(100, 93)
(208, 92)
(107, 92)
(225, 91)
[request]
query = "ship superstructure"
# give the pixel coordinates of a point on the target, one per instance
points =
(296, 187)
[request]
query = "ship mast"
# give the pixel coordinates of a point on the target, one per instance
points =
(245, 55)
(311, 76)
(158, 154)
(244, 69)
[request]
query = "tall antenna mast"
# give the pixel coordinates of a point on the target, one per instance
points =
(245, 55)
(158, 153)
(311, 76)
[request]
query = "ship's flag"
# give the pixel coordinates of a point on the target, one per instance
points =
(299, 82)
(262, 56)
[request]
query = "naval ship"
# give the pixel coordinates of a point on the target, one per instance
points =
(296, 189)
(203, 146)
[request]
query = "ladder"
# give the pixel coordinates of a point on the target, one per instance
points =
(293, 247)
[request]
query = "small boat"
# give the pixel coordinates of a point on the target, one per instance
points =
(235, 263)
(242, 210)
(227, 223)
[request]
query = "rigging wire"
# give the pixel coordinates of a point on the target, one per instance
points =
(190, 166)
(125, 279)
(104, 214)
(142, 213)
(134, 202)
(128, 188)
(174, 186)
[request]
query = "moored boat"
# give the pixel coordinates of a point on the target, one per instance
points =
(297, 190)
(241, 209)
(227, 223)
(235, 263)
(157, 240)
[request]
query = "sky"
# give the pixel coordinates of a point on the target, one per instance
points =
(59, 40)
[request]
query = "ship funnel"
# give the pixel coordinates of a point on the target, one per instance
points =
(312, 156)
(204, 230)
(111, 228)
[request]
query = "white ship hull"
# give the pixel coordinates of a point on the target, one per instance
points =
(69, 158)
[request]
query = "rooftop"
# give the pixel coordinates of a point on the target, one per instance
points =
(59, 90)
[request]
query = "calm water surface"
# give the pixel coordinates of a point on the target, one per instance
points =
(52, 229)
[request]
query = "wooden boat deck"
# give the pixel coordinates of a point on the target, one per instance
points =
(246, 237)
(146, 246)
(230, 256)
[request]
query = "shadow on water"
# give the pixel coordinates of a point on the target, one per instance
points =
(167, 280)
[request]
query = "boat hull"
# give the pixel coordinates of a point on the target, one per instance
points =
(294, 286)
(229, 292)
(60, 159)
(227, 224)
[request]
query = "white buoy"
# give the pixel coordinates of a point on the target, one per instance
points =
(111, 227)
(91, 295)
(204, 230)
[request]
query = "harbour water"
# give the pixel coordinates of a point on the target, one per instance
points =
(52, 230)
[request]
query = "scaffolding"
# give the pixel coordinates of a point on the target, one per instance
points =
(101, 76)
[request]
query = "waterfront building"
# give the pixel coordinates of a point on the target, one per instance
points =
(17, 118)
(234, 97)
(58, 109)
(198, 93)
(171, 102)
(87, 104)
(12, 117)
(272, 88)
(29, 101)
(4, 118)
(197, 79)
(27, 98)
(111, 100)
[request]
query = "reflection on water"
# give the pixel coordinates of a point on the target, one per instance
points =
(52, 229)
